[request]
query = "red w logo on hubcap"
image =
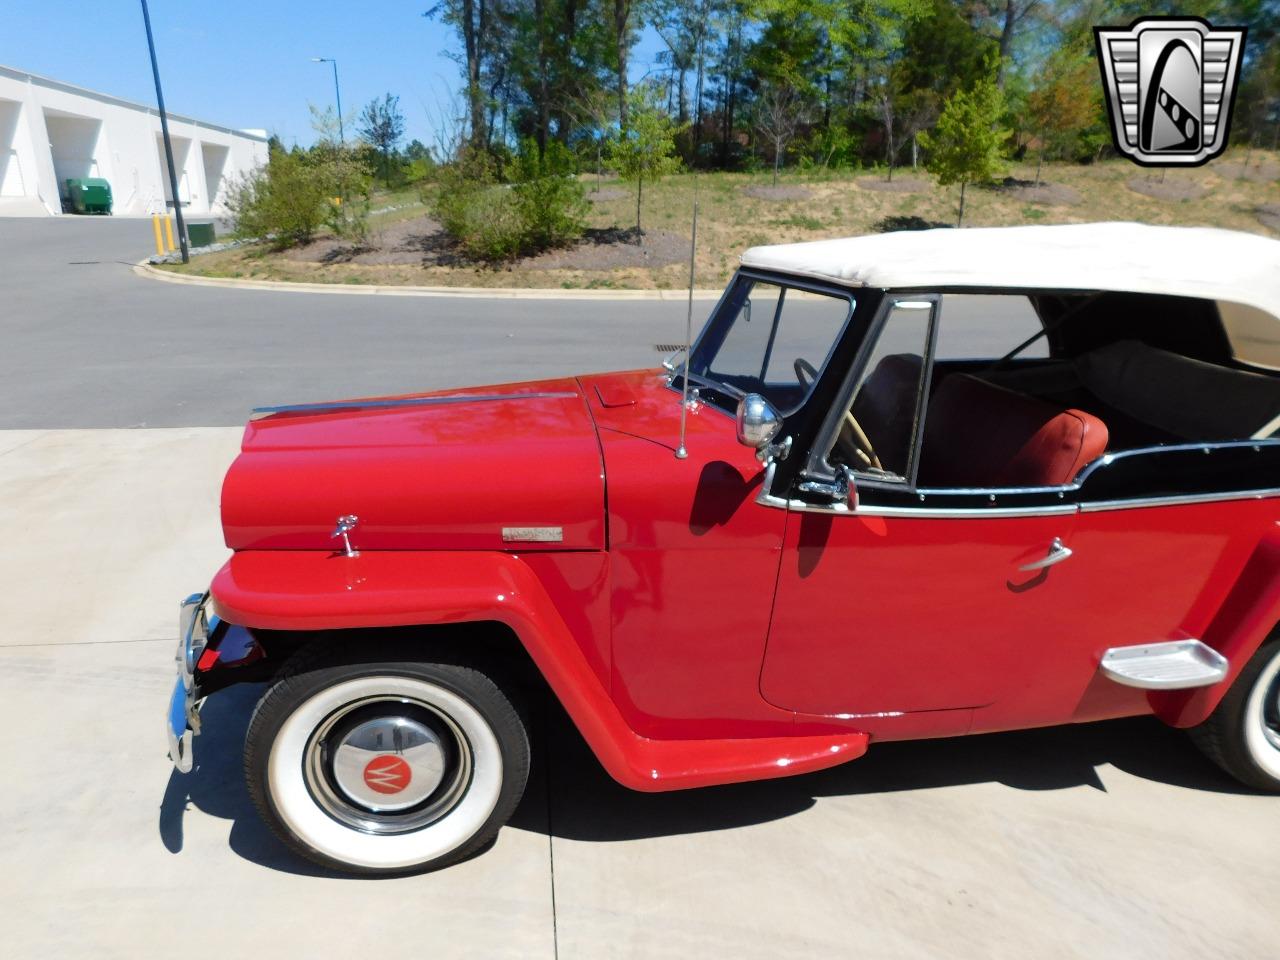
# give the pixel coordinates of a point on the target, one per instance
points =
(387, 774)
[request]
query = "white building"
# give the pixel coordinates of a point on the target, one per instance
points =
(51, 131)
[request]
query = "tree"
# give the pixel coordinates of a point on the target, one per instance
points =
(382, 126)
(623, 36)
(1001, 20)
(645, 149)
(593, 110)
(778, 111)
(474, 21)
(1064, 102)
(967, 144)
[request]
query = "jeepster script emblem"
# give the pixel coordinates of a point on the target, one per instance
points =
(1170, 84)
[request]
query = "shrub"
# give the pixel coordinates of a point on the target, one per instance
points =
(289, 199)
(551, 204)
(491, 221)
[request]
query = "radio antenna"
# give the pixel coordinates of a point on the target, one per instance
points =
(681, 452)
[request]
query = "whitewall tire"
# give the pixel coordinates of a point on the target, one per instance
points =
(388, 765)
(1243, 734)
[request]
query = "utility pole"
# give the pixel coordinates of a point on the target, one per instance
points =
(168, 144)
(337, 94)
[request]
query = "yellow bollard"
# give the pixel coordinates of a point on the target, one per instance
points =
(155, 226)
(168, 232)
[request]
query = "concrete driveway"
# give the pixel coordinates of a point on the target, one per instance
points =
(1112, 840)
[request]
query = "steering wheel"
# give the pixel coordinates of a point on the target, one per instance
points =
(852, 439)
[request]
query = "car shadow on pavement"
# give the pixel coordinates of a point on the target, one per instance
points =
(586, 804)
(570, 795)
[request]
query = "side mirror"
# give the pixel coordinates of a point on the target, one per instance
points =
(758, 422)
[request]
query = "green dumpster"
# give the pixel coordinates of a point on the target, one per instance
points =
(89, 195)
(200, 234)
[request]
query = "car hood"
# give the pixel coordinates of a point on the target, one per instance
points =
(514, 467)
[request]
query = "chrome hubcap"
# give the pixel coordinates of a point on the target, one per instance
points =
(387, 765)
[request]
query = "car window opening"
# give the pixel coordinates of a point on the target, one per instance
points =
(922, 417)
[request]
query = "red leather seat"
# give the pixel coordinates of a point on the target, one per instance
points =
(980, 435)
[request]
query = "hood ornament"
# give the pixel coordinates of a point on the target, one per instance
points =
(346, 524)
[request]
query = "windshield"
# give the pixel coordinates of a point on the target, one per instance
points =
(770, 338)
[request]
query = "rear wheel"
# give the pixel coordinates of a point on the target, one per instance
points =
(1243, 735)
(387, 765)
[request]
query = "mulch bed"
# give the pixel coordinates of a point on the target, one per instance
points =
(764, 192)
(610, 248)
(422, 242)
(1053, 194)
(1269, 216)
(1259, 170)
(896, 185)
(1167, 190)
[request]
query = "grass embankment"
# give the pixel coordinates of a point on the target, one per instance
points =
(738, 210)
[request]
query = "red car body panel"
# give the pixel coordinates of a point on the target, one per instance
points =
(433, 477)
(694, 635)
(314, 590)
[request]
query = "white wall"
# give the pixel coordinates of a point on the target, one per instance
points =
(50, 131)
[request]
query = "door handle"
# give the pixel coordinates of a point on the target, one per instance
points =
(1057, 553)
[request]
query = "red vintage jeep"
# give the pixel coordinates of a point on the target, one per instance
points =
(936, 483)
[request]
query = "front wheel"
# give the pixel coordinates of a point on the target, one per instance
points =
(1243, 734)
(386, 766)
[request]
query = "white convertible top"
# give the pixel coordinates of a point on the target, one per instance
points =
(1221, 265)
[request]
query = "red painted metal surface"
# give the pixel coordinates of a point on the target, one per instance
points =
(448, 476)
(694, 635)
(291, 590)
(694, 560)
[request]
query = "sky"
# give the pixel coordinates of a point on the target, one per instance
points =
(248, 64)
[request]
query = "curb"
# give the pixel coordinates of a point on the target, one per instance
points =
(145, 269)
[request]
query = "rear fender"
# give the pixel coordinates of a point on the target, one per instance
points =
(1249, 614)
(312, 590)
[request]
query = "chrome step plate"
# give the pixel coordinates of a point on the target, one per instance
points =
(1171, 665)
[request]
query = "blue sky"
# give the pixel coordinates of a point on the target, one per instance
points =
(246, 64)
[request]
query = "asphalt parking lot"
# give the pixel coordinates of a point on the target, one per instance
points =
(1111, 840)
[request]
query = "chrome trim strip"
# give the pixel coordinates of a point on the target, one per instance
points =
(1101, 505)
(974, 513)
(406, 402)
(1108, 458)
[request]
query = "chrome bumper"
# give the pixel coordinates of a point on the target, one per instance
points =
(182, 722)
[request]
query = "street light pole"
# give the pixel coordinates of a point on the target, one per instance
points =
(168, 144)
(337, 94)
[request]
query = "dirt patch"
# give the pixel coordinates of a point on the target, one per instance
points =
(417, 241)
(1259, 170)
(1173, 190)
(1028, 191)
(897, 185)
(608, 193)
(422, 242)
(611, 248)
(763, 192)
(1269, 216)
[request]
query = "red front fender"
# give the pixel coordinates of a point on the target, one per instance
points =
(1250, 612)
(312, 590)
